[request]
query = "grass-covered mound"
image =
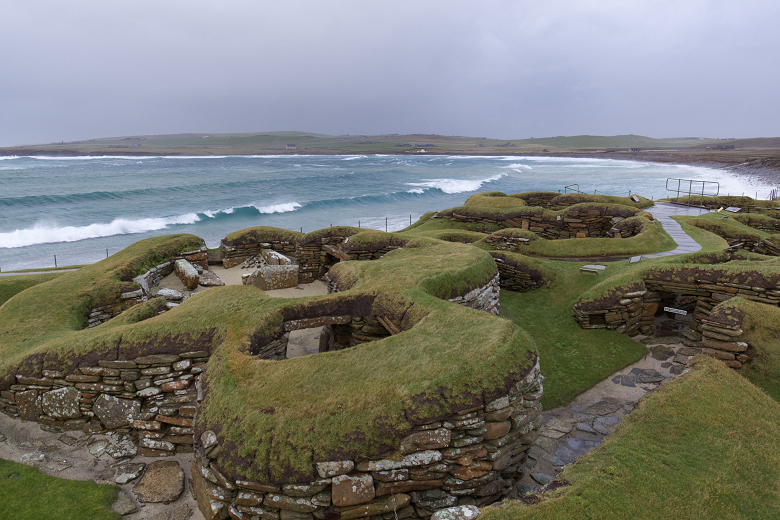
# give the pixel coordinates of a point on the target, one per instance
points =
(724, 201)
(728, 228)
(28, 494)
(56, 310)
(761, 326)
(12, 285)
(276, 418)
(497, 199)
(650, 237)
(502, 215)
(702, 446)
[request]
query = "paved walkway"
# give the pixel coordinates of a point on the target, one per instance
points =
(39, 272)
(663, 212)
(569, 432)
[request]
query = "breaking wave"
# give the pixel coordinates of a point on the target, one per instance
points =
(47, 234)
(451, 186)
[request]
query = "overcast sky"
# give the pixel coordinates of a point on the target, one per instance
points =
(505, 69)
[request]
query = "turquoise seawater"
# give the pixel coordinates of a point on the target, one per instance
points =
(80, 209)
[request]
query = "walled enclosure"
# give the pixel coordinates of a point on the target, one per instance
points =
(360, 431)
(631, 309)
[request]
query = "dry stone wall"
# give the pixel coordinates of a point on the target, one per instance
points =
(516, 276)
(576, 222)
(632, 310)
(153, 397)
(129, 298)
(470, 457)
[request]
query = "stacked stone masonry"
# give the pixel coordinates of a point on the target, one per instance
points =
(483, 298)
(153, 397)
(574, 223)
(146, 281)
(634, 313)
(472, 457)
(312, 259)
(515, 276)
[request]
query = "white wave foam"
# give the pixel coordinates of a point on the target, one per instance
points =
(353, 157)
(516, 166)
(278, 208)
(8, 157)
(451, 186)
(418, 191)
(48, 234)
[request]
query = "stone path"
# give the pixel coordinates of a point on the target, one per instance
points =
(663, 212)
(39, 272)
(569, 432)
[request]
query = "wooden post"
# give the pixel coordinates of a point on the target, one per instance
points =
(55, 260)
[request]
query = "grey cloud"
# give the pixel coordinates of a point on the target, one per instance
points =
(73, 70)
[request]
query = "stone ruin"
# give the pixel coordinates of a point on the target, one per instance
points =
(468, 456)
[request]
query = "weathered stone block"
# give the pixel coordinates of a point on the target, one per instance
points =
(378, 507)
(350, 490)
(28, 404)
(302, 505)
(114, 412)
(187, 274)
(272, 277)
(334, 468)
(163, 481)
(62, 403)
(426, 440)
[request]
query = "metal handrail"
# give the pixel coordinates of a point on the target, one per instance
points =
(706, 189)
(569, 186)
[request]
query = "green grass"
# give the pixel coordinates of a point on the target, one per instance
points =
(12, 285)
(728, 228)
(709, 242)
(572, 359)
(28, 494)
(702, 446)
(56, 309)
(42, 269)
(761, 327)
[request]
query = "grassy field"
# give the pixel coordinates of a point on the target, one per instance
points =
(28, 494)
(572, 359)
(13, 285)
(702, 446)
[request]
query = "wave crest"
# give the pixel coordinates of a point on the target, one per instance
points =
(451, 186)
(48, 234)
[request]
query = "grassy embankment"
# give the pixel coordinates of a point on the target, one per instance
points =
(494, 208)
(12, 285)
(56, 310)
(702, 446)
(28, 494)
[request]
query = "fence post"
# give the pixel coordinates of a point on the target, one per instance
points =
(106, 252)
(385, 224)
(55, 260)
(410, 220)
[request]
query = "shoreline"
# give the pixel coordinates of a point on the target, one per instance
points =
(765, 167)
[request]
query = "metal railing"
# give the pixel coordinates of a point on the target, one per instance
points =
(703, 189)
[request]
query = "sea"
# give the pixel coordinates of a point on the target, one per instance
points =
(79, 210)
